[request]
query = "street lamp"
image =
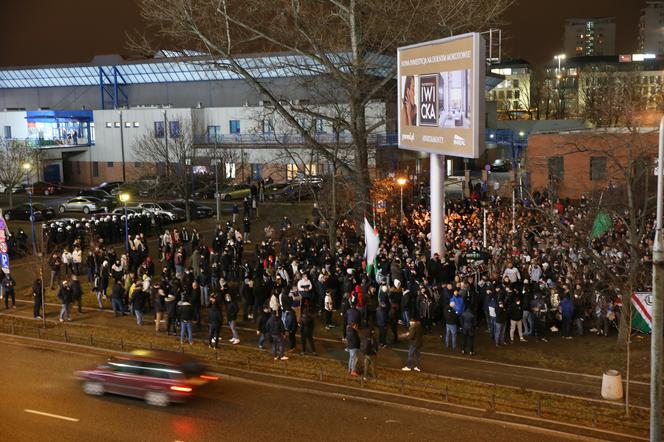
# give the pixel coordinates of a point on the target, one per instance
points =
(124, 197)
(27, 167)
(559, 58)
(401, 182)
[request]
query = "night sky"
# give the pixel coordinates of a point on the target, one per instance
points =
(38, 32)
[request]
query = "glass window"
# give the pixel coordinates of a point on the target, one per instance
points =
(256, 171)
(109, 163)
(127, 123)
(159, 129)
(556, 168)
(174, 129)
(214, 134)
(229, 170)
(117, 124)
(268, 126)
(137, 124)
(7, 132)
(109, 124)
(291, 171)
(598, 168)
(234, 126)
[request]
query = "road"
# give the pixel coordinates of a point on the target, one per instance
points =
(41, 381)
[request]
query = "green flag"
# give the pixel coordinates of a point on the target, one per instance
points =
(601, 225)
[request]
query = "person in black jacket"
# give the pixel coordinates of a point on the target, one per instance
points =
(290, 324)
(451, 319)
(37, 295)
(214, 322)
(117, 293)
(76, 292)
(171, 313)
(275, 328)
(370, 350)
(138, 305)
(307, 330)
(8, 284)
(353, 346)
(261, 326)
(468, 324)
(501, 320)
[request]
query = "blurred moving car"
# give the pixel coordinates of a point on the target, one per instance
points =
(85, 204)
(22, 212)
(99, 194)
(501, 165)
(45, 188)
(158, 377)
(108, 186)
(235, 192)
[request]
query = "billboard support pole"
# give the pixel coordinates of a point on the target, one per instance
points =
(437, 183)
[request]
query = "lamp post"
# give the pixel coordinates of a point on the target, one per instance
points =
(401, 182)
(658, 303)
(122, 148)
(124, 197)
(559, 58)
(27, 167)
(216, 185)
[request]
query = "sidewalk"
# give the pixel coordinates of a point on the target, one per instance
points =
(434, 359)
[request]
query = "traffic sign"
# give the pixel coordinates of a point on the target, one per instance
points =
(4, 262)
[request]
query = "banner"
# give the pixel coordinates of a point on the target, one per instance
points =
(642, 313)
(372, 243)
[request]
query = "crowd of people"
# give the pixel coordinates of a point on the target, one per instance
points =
(528, 284)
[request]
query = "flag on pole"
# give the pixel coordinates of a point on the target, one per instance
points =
(601, 225)
(372, 242)
(642, 313)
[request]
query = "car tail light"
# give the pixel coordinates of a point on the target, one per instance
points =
(208, 377)
(180, 388)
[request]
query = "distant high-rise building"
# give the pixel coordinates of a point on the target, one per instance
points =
(651, 28)
(590, 36)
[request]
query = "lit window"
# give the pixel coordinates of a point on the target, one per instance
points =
(117, 124)
(109, 124)
(229, 170)
(127, 124)
(137, 124)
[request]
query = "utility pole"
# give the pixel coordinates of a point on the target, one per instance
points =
(122, 148)
(658, 304)
(166, 140)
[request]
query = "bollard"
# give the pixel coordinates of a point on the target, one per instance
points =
(150, 345)
(91, 341)
(66, 336)
(594, 419)
(402, 386)
(493, 400)
(539, 407)
(362, 381)
(38, 333)
(321, 374)
(13, 328)
(447, 394)
(248, 363)
(121, 344)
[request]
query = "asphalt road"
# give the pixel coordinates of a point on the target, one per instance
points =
(41, 381)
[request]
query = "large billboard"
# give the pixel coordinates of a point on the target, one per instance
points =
(441, 96)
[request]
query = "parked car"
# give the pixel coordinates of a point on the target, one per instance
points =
(501, 165)
(85, 204)
(45, 188)
(22, 212)
(167, 210)
(294, 192)
(235, 192)
(196, 210)
(158, 377)
(108, 186)
(17, 188)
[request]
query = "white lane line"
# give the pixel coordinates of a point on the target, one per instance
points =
(56, 416)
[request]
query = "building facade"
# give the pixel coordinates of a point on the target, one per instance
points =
(512, 96)
(590, 36)
(651, 28)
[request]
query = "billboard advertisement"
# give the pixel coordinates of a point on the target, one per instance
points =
(441, 96)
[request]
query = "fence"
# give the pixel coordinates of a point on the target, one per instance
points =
(482, 397)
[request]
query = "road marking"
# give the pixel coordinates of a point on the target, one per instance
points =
(56, 416)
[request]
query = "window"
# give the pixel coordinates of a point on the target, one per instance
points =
(127, 124)
(234, 126)
(509, 95)
(109, 164)
(256, 171)
(137, 124)
(320, 126)
(268, 127)
(556, 168)
(123, 366)
(516, 104)
(174, 129)
(214, 133)
(517, 94)
(515, 83)
(95, 169)
(159, 129)
(229, 170)
(597, 168)
(109, 125)
(137, 164)
(7, 132)
(291, 171)
(116, 124)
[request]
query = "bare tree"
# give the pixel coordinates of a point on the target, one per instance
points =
(13, 156)
(349, 45)
(172, 157)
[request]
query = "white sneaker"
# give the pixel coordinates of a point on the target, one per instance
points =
(417, 369)
(235, 341)
(284, 358)
(405, 369)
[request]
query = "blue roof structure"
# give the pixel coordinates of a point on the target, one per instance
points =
(167, 70)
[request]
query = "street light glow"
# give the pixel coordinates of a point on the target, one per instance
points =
(402, 181)
(124, 197)
(26, 166)
(521, 133)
